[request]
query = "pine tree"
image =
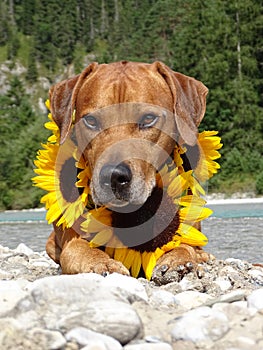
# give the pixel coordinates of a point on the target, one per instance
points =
(4, 27)
(16, 115)
(216, 43)
(45, 32)
(32, 73)
(67, 31)
(13, 43)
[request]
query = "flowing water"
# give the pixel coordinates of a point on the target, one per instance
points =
(234, 230)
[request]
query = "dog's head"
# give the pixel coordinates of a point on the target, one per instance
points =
(128, 117)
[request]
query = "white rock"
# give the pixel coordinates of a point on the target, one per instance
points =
(230, 297)
(92, 277)
(40, 263)
(69, 301)
(10, 294)
(190, 299)
(23, 249)
(186, 284)
(45, 84)
(234, 312)
(255, 299)
(162, 298)
(149, 346)
(240, 264)
(241, 303)
(127, 283)
(245, 342)
(23, 283)
(65, 286)
(9, 332)
(95, 346)
(113, 318)
(223, 283)
(46, 339)
(18, 69)
(200, 324)
(84, 336)
(5, 275)
(257, 275)
(4, 250)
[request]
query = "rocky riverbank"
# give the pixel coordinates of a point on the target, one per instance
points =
(221, 307)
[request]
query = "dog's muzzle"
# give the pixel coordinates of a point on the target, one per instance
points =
(115, 180)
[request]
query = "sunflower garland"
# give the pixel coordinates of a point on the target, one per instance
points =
(63, 173)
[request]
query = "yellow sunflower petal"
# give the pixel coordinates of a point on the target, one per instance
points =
(52, 139)
(179, 184)
(171, 245)
(54, 212)
(101, 238)
(51, 126)
(129, 258)
(113, 243)
(158, 253)
(120, 254)
(96, 220)
(148, 263)
(136, 265)
(195, 187)
(194, 213)
(47, 103)
(209, 144)
(191, 200)
(190, 235)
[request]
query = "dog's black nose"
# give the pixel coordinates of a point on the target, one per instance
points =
(116, 177)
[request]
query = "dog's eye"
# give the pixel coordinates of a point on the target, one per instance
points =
(91, 122)
(148, 120)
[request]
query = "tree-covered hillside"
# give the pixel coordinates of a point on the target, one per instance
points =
(219, 42)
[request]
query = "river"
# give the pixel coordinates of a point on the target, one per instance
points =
(234, 230)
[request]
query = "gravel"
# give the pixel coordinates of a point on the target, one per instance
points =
(219, 308)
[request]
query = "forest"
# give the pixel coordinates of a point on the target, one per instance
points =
(219, 42)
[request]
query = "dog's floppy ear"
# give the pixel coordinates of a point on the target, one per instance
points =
(62, 100)
(189, 97)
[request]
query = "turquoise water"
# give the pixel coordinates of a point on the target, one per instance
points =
(234, 230)
(22, 216)
(229, 210)
(252, 210)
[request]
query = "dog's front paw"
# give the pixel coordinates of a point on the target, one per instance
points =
(107, 266)
(103, 266)
(78, 257)
(174, 265)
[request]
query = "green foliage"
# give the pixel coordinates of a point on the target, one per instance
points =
(13, 45)
(216, 41)
(32, 72)
(20, 135)
(4, 26)
(259, 183)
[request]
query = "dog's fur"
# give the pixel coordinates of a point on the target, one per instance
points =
(119, 85)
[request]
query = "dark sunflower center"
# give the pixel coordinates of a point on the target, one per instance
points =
(191, 157)
(150, 226)
(67, 180)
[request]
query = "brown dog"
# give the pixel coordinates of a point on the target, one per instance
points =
(128, 118)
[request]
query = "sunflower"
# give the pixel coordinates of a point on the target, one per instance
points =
(62, 172)
(190, 209)
(208, 144)
(57, 167)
